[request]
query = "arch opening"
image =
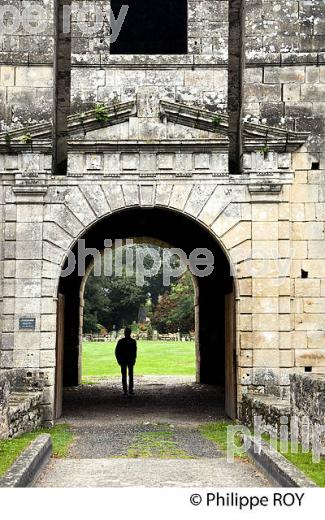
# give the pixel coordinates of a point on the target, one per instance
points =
(215, 334)
(135, 283)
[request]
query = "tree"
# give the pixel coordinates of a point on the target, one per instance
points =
(111, 300)
(175, 311)
(116, 300)
(96, 304)
(162, 316)
(125, 298)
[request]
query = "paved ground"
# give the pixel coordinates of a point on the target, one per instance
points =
(151, 439)
(150, 473)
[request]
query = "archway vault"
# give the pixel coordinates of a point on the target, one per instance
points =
(215, 302)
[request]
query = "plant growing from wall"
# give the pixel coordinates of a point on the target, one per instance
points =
(26, 138)
(264, 150)
(216, 121)
(101, 113)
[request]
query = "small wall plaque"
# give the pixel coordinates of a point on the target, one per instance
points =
(27, 323)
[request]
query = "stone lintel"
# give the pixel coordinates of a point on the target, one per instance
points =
(29, 194)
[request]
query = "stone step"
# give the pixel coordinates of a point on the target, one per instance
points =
(24, 412)
(269, 407)
(23, 400)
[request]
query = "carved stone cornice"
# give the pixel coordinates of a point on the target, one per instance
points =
(154, 145)
(256, 136)
(80, 123)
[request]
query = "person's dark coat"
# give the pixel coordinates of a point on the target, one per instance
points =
(126, 351)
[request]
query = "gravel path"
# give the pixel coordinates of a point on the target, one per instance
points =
(106, 423)
(162, 418)
(113, 441)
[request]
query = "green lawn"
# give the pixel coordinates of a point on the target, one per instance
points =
(217, 432)
(154, 358)
(304, 461)
(10, 449)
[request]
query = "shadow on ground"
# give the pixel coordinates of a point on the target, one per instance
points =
(157, 399)
(108, 424)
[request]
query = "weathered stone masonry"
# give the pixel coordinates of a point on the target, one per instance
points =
(20, 401)
(303, 411)
(162, 147)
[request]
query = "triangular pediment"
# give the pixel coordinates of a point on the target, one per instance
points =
(102, 116)
(255, 135)
(175, 121)
(147, 129)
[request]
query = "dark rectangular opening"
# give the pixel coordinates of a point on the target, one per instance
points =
(62, 90)
(151, 27)
(236, 65)
(308, 369)
(315, 166)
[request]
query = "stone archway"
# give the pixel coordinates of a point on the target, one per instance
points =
(214, 306)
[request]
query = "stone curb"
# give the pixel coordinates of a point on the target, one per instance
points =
(28, 465)
(282, 472)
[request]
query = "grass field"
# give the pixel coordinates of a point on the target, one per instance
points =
(304, 461)
(154, 358)
(217, 432)
(10, 449)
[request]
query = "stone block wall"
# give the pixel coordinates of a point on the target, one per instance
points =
(284, 26)
(198, 78)
(28, 95)
(284, 76)
(4, 404)
(207, 31)
(26, 61)
(269, 408)
(20, 402)
(307, 397)
(289, 96)
(24, 413)
(305, 406)
(287, 329)
(307, 264)
(281, 307)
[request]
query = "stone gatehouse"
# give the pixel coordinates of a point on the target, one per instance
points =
(215, 140)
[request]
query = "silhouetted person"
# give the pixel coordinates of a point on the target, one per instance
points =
(126, 355)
